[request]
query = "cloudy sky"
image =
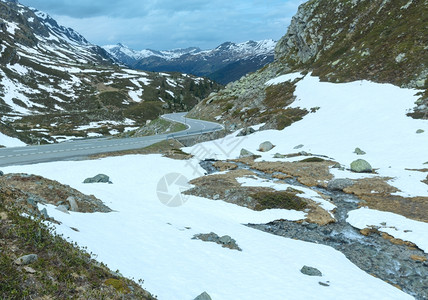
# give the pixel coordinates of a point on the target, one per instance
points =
(169, 24)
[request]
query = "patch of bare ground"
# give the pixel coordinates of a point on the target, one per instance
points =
(168, 148)
(226, 187)
(376, 193)
(28, 190)
(307, 173)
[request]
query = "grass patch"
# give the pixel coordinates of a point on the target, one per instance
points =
(278, 199)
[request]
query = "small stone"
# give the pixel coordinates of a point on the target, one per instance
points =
(73, 204)
(100, 178)
(339, 184)
(203, 296)
(266, 146)
(279, 155)
(420, 131)
(245, 153)
(63, 209)
(323, 283)
(358, 151)
(361, 166)
(225, 239)
(246, 131)
(29, 270)
(310, 271)
(26, 259)
(44, 213)
(299, 146)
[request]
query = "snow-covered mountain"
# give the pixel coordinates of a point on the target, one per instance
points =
(225, 63)
(52, 80)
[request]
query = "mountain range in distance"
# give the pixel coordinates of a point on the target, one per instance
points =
(225, 63)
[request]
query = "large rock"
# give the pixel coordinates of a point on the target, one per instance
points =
(310, 271)
(361, 166)
(100, 178)
(339, 184)
(266, 146)
(203, 296)
(26, 259)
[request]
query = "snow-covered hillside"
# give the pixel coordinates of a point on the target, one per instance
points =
(145, 239)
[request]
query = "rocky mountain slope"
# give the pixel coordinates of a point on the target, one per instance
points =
(54, 84)
(340, 41)
(225, 63)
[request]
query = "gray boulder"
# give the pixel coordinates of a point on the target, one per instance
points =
(1, 173)
(361, 166)
(203, 296)
(266, 146)
(44, 213)
(339, 184)
(62, 208)
(310, 271)
(419, 131)
(73, 204)
(26, 259)
(100, 178)
(358, 151)
(279, 155)
(299, 146)
(246, 131)
(245, 153)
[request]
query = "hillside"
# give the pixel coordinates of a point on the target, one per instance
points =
(225, 63)
(381, 41)
(55, 85)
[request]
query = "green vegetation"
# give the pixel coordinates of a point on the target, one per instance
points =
(278, 199)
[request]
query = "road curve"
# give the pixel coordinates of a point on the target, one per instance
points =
(79, 149)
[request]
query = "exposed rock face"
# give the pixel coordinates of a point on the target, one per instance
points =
(339, 41)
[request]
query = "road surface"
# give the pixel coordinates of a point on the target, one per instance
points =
(82, 148)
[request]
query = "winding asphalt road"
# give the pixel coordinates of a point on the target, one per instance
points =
(79, 149)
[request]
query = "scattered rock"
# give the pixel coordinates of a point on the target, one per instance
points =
(44, 213)
(339, 184)
(62, 208)
(299, 146)
(29, 270)
(420, 131)
(310, 271)
(73, 204)
(245, 153)
(361, 166)
(246, 131)
(419, 258)
(279, 155)
(100, 178)
(203, 296)
(225, 241)
(358, 151)
(26, 259)
(266, 146)
(323, 283)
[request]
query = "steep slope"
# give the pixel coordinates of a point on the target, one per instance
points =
(340, 41)
(55, 84)
(225, 63)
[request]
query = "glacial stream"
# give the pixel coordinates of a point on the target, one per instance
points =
(373, 254)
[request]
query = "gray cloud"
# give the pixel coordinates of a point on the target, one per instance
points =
(166, 24)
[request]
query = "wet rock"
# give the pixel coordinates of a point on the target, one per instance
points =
(246, 131)
(361, 166)
(73, 204)
(266, 146)
(100, 178)
(245, 153)
(311, 271)
(26, 259)
(339, 184)
(203, 296)
(358, 151)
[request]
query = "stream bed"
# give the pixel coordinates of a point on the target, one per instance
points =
(373, 254)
